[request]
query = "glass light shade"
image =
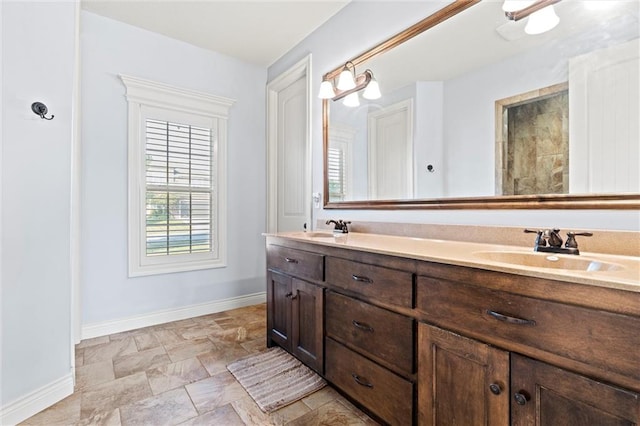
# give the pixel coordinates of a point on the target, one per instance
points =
(351, 100)
(372, 91)
(326, 90)
(346, 80)
(516, 5)
(541, 21)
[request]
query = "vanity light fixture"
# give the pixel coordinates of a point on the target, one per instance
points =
(541, 13)
(347, 79)
(372, 91)
(355, 83)
(542, 21)
(326, 90)
(351, 100)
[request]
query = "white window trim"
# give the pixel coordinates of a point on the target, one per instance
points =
(142, 94)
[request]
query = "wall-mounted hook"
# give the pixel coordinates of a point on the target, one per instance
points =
(41, 109)
(430, 168)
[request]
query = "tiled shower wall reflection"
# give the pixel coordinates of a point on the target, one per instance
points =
(537, 147)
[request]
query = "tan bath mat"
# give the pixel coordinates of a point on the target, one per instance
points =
(274, 378)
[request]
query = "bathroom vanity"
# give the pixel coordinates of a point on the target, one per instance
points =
(419, 331)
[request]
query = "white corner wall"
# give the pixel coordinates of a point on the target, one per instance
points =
(35, 348)
(111, 300)
(355, 29)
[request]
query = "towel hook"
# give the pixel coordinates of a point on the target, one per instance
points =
(41, 109)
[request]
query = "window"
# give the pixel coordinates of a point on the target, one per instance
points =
(177, 184)
(337, 173)
(339, 157)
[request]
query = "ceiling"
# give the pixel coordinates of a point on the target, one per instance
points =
(258, 31)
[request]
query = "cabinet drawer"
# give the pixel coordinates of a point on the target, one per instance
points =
(385, 284)
(294, 262)
(381, 391)
(600, 339)
(378, 332)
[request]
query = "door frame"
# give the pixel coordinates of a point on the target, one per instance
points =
(302, 69)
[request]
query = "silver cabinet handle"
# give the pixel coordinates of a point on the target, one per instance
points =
(509, 319)
(360, 381)
(362, 279)
(362, 326)
(290, 260)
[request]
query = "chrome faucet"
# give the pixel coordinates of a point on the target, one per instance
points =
(340, 226)
(549, 241)
(552, 237)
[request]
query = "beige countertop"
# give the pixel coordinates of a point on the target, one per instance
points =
(613, 271)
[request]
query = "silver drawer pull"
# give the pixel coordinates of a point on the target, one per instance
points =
(362, 279)
(510, 320)
(360, 381)
(290, 260)
(362, 326)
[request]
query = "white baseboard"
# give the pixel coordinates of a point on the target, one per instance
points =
(36, 401)
(160, 317)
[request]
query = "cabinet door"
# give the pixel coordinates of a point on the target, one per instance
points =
(278, 309)
(460, 381)
(306, 324)
(545, 395)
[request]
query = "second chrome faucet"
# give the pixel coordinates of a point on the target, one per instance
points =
(340, 226)
(549, 241)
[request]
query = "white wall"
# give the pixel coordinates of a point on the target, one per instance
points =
(36, 205)
(358, 27)
(110, 48)
(428, 145)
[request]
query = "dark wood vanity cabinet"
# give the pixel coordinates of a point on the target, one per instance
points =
(461, 381)
(416, 342)
(546, 395)
(278, 309)
(295, 306)
(529, 361)
(467, 382)
(379, 334)
(380, 391)
(369, 348)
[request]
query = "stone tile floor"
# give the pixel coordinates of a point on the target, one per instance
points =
(175, 374)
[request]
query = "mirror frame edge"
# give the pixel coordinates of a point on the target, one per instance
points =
(542, 201)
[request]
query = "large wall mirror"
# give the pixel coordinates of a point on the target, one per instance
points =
(475, 113)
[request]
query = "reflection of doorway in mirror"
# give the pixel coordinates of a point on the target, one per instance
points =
(604, 91)
(533, 142)
(390, 152)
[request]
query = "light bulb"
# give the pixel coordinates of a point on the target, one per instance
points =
(352, 100)
(326, 90)
(372, 91)
(541, 21)
(346, 80)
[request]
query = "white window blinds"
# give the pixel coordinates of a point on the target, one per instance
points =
(179, 185)
(336, 173)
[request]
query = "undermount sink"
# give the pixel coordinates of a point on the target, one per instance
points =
(319, 235)
(548, 260)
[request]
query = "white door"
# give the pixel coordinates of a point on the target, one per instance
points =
(391, 152)
(604, 133)
(289, 171)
